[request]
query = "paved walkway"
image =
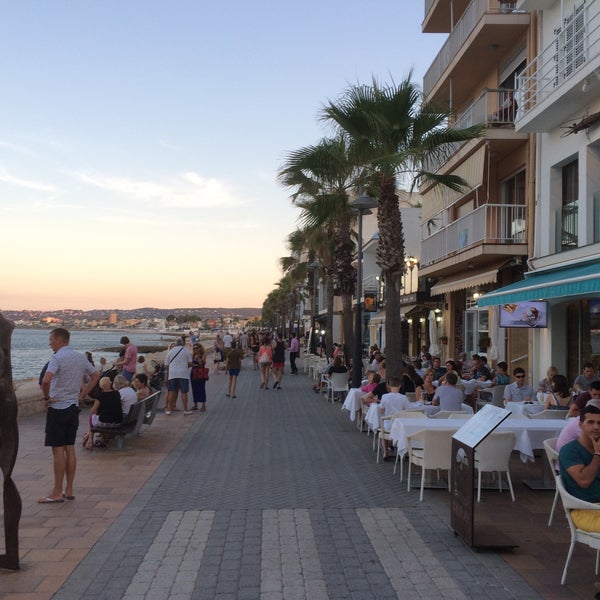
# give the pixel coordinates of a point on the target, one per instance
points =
(270, 495)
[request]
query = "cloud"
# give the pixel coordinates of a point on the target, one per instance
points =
(6, 177)
(187, 190)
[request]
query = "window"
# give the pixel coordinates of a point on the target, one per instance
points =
(568, 212)
(512, 191)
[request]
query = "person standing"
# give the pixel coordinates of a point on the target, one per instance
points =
(294, 349)
(265, 359)
(128, 361)
(178, 363)
(62, 389)
(234, 366)
(278, 361)
(199, 382)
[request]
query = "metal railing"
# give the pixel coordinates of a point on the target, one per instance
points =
(567, 230)
(574, 45)
(456, 39)
(490, 223)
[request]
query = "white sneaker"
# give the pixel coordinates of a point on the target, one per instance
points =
(167, 412)
(187, 412)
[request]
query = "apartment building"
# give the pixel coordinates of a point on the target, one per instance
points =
(479, 239)
(559, 103)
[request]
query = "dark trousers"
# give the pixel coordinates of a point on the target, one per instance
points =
(293, 357)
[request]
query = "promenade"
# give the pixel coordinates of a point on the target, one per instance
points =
(270, 495)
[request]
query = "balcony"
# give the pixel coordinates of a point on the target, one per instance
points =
(565, 77)
(486, 31)
(496, 109)
(490, 224)
(567, 231)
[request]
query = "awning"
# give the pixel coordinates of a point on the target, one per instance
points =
(460, 282)
(556, 283)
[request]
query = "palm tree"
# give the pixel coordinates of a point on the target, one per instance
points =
(321, 176)
(393, 133)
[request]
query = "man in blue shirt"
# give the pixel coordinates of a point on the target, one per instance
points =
(579, 462)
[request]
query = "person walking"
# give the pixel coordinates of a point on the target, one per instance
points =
(234, 365)
(265, 359)
(62, 389)
(294, 350)
(178, 363)
(278, 361)
(199, 376)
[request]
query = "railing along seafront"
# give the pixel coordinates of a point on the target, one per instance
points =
(575, 43)
(490, 223)
(465, 25)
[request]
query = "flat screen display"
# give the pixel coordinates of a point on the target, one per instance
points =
(524, 314)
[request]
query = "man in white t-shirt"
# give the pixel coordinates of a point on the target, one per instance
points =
(227, 339)
(178, 363)
(391, 403)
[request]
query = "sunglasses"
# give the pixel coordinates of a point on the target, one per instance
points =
(520, 376)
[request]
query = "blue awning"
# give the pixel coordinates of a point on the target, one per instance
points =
(556, 283)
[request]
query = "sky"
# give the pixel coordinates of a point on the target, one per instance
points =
(140, 139)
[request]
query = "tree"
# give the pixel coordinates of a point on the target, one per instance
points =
(321, 176)
(393, 133)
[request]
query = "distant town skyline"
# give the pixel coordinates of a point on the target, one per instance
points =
(141, 141)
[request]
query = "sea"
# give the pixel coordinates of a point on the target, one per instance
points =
(30, 350)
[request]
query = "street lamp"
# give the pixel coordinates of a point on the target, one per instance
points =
(411, 263)
(314, 267)
(362, 206)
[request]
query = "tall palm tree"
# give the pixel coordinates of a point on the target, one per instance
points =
(393, 133)
(321, 176)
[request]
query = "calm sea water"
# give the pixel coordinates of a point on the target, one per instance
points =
(30, 350)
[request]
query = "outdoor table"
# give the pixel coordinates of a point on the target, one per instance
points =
(372, 417)
(353, 402)
(529, 433)
(519, 409)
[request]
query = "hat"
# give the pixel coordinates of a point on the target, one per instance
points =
(595, 402)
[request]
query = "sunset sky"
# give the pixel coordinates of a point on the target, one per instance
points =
(140, 140)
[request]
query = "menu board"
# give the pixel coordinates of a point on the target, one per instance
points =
(480, 425)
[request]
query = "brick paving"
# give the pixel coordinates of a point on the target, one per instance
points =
(270, 495)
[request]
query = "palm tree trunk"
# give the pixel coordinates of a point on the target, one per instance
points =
(329, 325)
(347, 326)
(393, 327)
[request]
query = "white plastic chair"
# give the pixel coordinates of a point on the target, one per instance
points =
(435, 452)
(383, 433)
(492, 395)
(493, 455)
(336, 383)
(446, 414)
(552, 456)
(589, 538)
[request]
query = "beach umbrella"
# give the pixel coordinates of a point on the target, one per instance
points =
(434, 348)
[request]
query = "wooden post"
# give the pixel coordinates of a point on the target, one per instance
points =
(9, 444)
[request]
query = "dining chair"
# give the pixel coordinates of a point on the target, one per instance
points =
(493, 395)
(552, 456)
(589, 538)
(412, 396)
(435, 452)
(417, 413)
(446, 414)
(383, 433)
(549, 414)
(493, 455)
(336, 383)
(460, 415)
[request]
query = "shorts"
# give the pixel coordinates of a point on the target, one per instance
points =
(178, 384)
(234, 372)
(278, 365)
(61, 426)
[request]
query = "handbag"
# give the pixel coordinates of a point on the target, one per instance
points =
(199, 373)
(264, 359)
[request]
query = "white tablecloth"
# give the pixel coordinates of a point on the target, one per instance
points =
(530, 433)
(352, 402)
(520, 409)
(372, 416)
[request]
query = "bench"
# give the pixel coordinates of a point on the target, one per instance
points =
(141, 413)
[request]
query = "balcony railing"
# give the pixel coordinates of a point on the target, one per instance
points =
(489, 224)
(494, 108)
(574, 45)
(457, 38)
(567, 231)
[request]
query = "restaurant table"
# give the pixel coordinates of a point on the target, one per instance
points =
(353, 402)
(519, 409)
(529, 433)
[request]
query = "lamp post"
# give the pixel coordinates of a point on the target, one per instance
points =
(362, 206)
(314, 266)
(411, 263)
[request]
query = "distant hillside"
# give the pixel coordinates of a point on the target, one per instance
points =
(134, 313)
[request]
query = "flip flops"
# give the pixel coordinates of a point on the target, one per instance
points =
(48, 500)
